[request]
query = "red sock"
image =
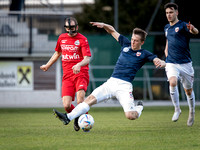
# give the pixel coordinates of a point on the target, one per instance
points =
(71, 108)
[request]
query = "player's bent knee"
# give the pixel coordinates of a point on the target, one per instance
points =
(66, 106)
(132, 115)
(173, 81)
(188, 91)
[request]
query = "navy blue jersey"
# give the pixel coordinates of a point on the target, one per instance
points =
(130, 61)
(178, 37)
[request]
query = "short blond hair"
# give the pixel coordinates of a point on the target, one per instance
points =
(141, 33)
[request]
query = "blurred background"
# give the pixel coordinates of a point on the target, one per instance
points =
(28, 34)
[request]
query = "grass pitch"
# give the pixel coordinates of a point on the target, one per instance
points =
(38, 129)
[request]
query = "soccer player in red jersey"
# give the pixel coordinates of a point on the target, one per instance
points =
(75, 52)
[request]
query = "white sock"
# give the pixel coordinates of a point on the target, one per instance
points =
(80, 109)
(139, 110)
(174, 94)
(191, 102)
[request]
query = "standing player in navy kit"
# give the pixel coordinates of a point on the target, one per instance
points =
(178, 60)
(131, 59)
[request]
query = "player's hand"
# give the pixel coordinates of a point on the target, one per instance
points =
(97, 24)
(162, 64)
(159, 63)
(44, 67)
(76, 68)
(190, 26)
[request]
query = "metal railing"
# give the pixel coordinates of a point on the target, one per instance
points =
(29, 33)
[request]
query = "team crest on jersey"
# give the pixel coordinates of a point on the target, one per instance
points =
(77, 42)
(126, 49)
(176, 29)
(138, 54)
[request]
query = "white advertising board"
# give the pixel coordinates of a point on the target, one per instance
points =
(16, 75)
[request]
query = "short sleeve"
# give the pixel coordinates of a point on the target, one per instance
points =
(58, 48)
(150, 56)
(123, 41)
(85, 48)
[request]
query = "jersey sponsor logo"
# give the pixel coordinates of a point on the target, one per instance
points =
(138, 54)
(77, 42)
(70, 48)
(126, 49)
(70, 57)
(176, 29)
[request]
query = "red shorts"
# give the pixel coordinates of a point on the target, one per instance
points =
(72, 85)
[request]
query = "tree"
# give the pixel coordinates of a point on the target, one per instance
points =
(132, 13)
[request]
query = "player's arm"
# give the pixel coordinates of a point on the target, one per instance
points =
(110, 29)
(51, 61)
(166, 49)
(76, 68)
(192, 29)
(159, 63)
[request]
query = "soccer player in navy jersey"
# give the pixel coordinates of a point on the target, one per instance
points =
(178, 60)
(119, 85)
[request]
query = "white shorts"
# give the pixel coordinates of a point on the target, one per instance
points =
(184, 72)
(116, 88)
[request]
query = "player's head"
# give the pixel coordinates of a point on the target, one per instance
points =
(171, 10)
(71, 26)
(138, 38)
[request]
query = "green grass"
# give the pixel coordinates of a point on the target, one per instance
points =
(38, 129)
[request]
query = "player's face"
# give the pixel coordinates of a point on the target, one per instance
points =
(136, 42)
(72, 27)
(171, 14)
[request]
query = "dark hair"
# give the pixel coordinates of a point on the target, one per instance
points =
(71, 19)
(171, 5)
(141, 33)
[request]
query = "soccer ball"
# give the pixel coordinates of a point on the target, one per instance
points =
(86, 122)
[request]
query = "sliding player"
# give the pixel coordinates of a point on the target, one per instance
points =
(119, 85)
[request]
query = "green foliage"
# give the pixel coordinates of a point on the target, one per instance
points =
(38, 129)
(132, 13)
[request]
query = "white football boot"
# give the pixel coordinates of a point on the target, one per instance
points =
(176, 115)
(190, 120)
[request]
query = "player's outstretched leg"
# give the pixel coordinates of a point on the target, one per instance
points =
(76, 126)
(139, 108)
(62, 116)
(139, 103)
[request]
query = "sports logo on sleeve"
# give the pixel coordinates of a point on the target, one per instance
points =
(126, 49)
(166, 32)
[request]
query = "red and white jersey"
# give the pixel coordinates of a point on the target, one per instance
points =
(73, 50)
